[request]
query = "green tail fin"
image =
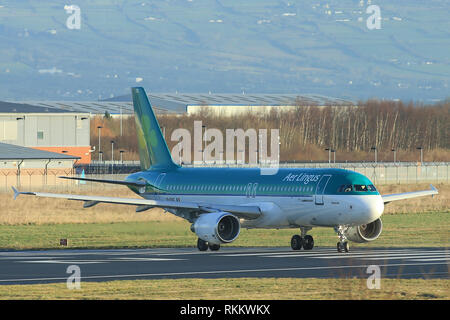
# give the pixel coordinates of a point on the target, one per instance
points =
(153, 151)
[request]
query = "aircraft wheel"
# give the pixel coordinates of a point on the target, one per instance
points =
(346, 246)
(202, 245)
(214, 247)
(308, 242)
(296, 242)
(343, 246)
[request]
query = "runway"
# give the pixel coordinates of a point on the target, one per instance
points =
(30, 267)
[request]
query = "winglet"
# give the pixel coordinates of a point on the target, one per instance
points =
(434, 189)
(16, 193)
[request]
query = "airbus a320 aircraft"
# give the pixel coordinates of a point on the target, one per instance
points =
(220, 201)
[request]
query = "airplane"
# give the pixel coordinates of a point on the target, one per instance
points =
(218, 202)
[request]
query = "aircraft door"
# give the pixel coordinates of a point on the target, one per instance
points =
(255, 187)
(320, 189)
(250, 190)
(158, 182)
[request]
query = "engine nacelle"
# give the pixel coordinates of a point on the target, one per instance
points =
(366, 232)
(217, 227)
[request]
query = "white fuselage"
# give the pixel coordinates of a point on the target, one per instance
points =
(293, 211)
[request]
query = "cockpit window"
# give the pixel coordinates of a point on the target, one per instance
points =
(345, 188)
(357, 187)
(360, 187)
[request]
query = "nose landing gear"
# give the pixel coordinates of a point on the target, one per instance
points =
(342, 245)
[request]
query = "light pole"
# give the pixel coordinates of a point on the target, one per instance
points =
(259, 150)
(334, 156)
(329, 155)
(421, 154)
(242, 156)
(23, 126)
(99, 145)
(112, 151)
(204, 144)
(395, 163)
(279, 148)
(179, 154)
(100, 155)
(112, 157)
(121, 158)
(375, 149)
(121, 131)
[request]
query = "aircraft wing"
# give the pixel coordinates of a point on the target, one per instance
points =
(408, 195)
(241, 211)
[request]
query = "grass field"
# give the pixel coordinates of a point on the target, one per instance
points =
(414, 230)
(237, 289)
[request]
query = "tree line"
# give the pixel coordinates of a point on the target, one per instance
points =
(305, 132)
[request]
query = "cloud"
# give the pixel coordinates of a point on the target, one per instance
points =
(50, 71)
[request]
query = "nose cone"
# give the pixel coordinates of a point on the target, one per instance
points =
(373, 207)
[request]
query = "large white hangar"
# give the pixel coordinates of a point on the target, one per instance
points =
(182, 103)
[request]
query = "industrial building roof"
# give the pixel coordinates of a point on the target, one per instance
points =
(12, 107)
(13, 152)
(178, 102)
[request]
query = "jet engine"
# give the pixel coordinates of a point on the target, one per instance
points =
(365, 233)
(217, 227)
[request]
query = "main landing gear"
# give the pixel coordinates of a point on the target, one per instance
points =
(203, 245)
(304, 241)
(342, 245)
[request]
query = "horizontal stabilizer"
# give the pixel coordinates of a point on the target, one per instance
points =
(122, 182)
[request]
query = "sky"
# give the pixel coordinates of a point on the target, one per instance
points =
(94, 50)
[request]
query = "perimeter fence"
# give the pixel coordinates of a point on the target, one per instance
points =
(379, 173)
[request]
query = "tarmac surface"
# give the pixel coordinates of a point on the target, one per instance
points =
(31, 267)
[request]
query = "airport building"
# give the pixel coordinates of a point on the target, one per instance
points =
(19, 164)
(178, 103)
(48, 129)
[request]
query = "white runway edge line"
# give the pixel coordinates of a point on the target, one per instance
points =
(421, 256)
(64, 262)
(426, 260)
(99, 261)
(222, 272)
(371, 256)
(333, 254)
